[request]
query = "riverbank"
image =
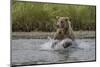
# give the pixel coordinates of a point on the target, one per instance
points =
(44, 35)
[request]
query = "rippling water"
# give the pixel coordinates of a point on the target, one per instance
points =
(28, 51)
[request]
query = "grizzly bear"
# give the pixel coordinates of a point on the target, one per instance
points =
(64, 29)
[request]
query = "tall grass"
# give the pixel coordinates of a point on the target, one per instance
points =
(29, 16)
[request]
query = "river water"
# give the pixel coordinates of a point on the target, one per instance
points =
(29, 51)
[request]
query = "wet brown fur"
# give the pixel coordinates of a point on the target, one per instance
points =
(64, 29)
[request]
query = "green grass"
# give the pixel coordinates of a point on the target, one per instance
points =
(29, 16)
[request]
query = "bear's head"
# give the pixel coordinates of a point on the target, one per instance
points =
(62, 22)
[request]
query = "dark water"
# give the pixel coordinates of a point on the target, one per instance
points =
(29, 51)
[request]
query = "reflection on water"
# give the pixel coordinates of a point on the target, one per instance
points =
(28, 51)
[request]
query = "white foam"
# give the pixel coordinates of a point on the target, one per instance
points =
(47, 45)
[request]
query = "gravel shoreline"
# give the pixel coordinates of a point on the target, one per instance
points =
(44, 35)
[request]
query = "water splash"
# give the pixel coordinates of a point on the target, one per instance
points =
(57, 44)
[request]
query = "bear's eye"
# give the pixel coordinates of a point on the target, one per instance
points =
(62, 22)
(59, 32)
(66, 19)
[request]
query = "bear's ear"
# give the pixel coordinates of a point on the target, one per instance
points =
(67, 18)
(57, 17)
(70, 18)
